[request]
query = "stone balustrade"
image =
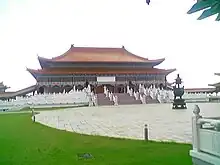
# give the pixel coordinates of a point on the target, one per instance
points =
(76, 96)
(111, 96)
(130, 92)
(92, 99)
(163, 96)
(115, 99)
(205, 139)
(143, 99)
(59, 99)
(136, 95)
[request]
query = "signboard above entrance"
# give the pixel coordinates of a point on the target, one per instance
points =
(105, 79)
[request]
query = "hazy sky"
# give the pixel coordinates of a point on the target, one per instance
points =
(163, 29)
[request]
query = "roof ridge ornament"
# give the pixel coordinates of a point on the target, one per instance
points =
(72, 45)
(123, 46)
(148, 2)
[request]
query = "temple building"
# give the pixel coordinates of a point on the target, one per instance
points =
(112, 67)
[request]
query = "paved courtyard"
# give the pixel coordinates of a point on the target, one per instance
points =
(128, 121)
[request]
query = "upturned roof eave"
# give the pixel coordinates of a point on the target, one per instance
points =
(43, 61)
(47, 63)
(169, 71)
(156, 62)
(36, 73)
(32, 72)
(215, 84)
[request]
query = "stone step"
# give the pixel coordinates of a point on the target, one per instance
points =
(125, 99)
(149, 100)
(103, 100)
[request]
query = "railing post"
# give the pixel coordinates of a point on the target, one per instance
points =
(96, 100)
(195, 128)
(145, 132)
(90, 100)
(33, 115)
(116, 100)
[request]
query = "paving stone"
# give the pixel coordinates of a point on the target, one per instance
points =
(128, 121)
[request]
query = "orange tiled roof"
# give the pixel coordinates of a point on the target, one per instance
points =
(101, 71)
(94, 54)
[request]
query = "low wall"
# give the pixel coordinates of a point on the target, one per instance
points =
(18, 108)
(206, 139)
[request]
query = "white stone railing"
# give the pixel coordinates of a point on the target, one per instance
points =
(115, 99)
(163, 96)
(59, 99)
(128, 89)
(168, 98)
(205, 139)
(111, 96)
(130, 92)
(151, 94)
(93, 99)
(143, 99)
(141, 88)
(146, 92)
(106, 91)
(136, 95)
(159, 98)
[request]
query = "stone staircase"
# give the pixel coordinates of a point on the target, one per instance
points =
(124, 99)
(103, 100)
(149, 100)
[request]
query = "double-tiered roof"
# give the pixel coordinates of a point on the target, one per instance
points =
(93, 60)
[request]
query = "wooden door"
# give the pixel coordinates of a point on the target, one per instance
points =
(99, 89)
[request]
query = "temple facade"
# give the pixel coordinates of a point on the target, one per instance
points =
(114, 68)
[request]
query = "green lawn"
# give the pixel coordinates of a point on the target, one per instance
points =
(23, 142)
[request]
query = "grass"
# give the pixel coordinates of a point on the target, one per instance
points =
(23, 142)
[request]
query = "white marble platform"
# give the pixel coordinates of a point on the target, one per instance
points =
(128, 120)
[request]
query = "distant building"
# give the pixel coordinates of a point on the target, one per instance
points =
(199, 90)
(3, 87)
(4, 95)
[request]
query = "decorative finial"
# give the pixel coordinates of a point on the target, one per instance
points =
(123, 46)
(196, 110)
(148, 2)
(72, 45)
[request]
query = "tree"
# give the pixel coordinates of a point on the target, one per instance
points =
(210, 7)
